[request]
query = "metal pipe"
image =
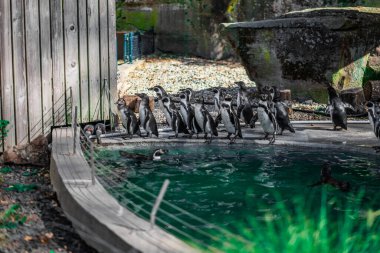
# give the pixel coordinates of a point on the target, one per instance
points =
(316, 122)
(158, 202)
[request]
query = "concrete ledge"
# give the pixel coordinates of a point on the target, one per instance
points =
(358, 138)
(95, 214)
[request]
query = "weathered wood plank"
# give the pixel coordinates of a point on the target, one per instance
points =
(56, 9)
(103, 35)
(71, 49)
(33, 67)
(18, 36)
(112, 62)
(83, 62)
(93, 58)
(46, 62)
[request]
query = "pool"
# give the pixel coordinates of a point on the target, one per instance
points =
(224, 185)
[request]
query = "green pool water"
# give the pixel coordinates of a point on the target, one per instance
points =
(224, 185)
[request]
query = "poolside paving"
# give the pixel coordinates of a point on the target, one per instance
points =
(359, 136)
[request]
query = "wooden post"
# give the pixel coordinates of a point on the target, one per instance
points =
(75, 129)
(285, 95)
(125, 47)
(92, 166)
(158, 202)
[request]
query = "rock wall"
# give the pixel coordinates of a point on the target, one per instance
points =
(191, 27)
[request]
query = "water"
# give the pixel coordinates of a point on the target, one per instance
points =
(226, 184)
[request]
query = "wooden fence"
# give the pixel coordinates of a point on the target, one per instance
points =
(47, 46)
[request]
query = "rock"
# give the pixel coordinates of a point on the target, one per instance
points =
(309, 49)
(354, 97)
(372, 91)
(34, 153)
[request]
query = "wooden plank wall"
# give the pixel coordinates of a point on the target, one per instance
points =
(46, 47)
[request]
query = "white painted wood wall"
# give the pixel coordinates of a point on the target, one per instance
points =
(47, 46)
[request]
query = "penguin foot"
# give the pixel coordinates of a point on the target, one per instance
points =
(172, 137)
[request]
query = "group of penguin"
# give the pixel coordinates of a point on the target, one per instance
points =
(252, 105)
(192, 116)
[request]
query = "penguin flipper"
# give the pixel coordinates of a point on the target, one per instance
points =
(146, 118)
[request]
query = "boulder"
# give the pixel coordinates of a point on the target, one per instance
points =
(306, 50)
(33, 153)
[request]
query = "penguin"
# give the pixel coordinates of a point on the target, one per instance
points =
(156, 156)
(218, 96)
(326, 178)
(209, 125)
(337, 109)
(100, 129)
(244, 105)
(147, 119)
(178, 124)
(281, 111)
(89, 130)
(267, 119)
(199, 116)
(128, 118)
(230, 120)
(374, 117)
(161, 93)
(188, 114)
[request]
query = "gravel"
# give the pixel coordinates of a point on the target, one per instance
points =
(46, 228)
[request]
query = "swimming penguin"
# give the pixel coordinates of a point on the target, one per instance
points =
(156, 156)
(128, 118)
(178, 124)
(267, 118)
(209, 125)
(147, 119)
(161, 93)
(337, 109)
(244, 105)
(326, 178)
(100, 129)
(230, 120)
(281, 112)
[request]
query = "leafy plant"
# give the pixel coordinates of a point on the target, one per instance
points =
(21, 187)
(294, 229)
(3, 130)
(11, 217)
(5, 170)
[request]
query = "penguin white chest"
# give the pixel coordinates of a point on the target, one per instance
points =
(183, 112)
(230, 127)
(265, 121)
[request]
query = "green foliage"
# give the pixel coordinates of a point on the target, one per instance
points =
(5, 170)
(11, 217)
(295, 229)
(3, 130)
(134, 20)
(21, 187)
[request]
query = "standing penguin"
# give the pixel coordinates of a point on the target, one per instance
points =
(100, 129)
(218, 96)
(337, 109)
(89, 130)
(128, 118)
(188, 114)
(267, 118)
(147, 119)
(161, 93)
(374, 118)
(178, 124)
(244, 106)
(230, 120)
(281, 112)
(209, 125)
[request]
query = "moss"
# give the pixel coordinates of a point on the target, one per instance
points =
(140, 20)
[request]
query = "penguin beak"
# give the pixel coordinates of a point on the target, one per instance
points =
(150, 88)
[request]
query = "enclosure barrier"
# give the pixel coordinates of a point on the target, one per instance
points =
(193, 233)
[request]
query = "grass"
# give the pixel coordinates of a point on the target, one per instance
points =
(297, 230)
